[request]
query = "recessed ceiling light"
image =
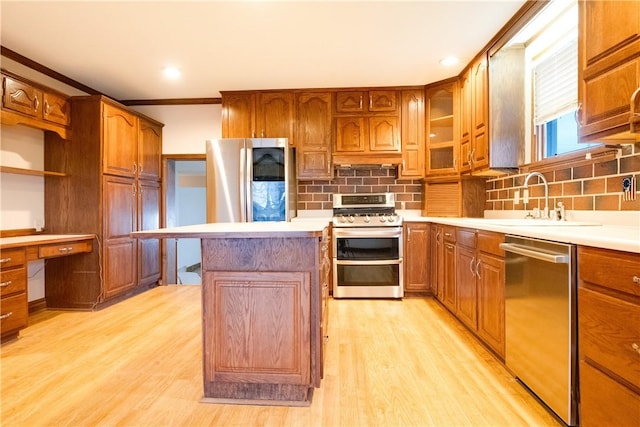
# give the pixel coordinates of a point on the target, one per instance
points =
(171, 73)
(449, 61)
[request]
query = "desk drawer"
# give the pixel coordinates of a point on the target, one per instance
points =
(62, 249)
(12, 258)
(13, 313)
(13, 281)
(609, 334)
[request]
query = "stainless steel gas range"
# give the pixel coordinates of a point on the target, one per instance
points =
(367, 246)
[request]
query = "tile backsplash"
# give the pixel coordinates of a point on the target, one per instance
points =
(316, 194)
(586, 185)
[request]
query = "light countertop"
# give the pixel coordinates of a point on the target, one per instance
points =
(41, 239)
(241, 230)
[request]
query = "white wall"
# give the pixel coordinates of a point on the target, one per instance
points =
(186, 127)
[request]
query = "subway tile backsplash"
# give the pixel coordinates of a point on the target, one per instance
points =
(316, 194)
(593, 186)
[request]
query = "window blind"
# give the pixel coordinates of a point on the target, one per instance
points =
(556, 84)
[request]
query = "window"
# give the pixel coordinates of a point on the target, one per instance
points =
(551, 67)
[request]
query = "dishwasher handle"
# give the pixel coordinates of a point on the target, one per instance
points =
(552, 257)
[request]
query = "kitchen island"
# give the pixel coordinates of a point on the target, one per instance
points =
(264, 299)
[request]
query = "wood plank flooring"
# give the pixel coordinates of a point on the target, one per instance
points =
(138, 363)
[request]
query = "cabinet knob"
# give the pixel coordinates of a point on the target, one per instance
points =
(636, 347)
(636, 280)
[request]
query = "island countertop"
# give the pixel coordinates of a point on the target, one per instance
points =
(238, 230)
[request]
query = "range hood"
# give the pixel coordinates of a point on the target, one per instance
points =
(367, 161)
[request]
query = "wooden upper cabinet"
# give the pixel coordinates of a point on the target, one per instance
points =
(442, 138)
(34, 106)
(238, 115)
(480, 124)
(274, 115)
(373, 101)
(258, 115)
(351, 102)
(466, 108)
(412, 134)
(120, 136)
(22, 97)
(313, 135)
(352, 134)
(149, 150)
(608, 68)
(384, 134)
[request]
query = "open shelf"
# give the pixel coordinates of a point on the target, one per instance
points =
(20, 171)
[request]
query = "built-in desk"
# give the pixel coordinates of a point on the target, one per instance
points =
(15, 253)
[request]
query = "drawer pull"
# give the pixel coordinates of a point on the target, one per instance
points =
(5, 316)
(636, 279)
(636, 347)
(3, 260)
(64, 250)
(5, 284)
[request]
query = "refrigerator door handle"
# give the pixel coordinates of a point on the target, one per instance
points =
(243, 184)
(248, 182)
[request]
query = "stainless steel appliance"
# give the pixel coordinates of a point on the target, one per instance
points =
(250, 180)
(367, 246)
(540, 321)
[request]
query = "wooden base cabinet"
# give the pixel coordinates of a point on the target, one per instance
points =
(112, 189)
(609, 337)
(13, 292)
(416, 256)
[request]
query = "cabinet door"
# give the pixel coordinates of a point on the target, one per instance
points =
(149, 150)
(120, 266)
(350, 102)
(466, 108)
(416, 250)
(274, 345)
(22, 97)
(120, 141)
(466, 293)
(149, 257)
(491, 301)
(449, 276)
(238, 116)
(442, 138)
(56, 109)
(313, 136)
(412, 134)
(609, 67)
(351, 134)
(274, 117)
(384, 101)
(436, 252)
(384, 134)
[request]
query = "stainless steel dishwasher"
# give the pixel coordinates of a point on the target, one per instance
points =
(541, 322)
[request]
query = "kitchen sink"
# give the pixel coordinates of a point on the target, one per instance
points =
(530, 222)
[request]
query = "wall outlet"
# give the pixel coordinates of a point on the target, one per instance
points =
(516, 197)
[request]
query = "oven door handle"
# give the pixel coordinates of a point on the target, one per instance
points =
(372, 262)
(391, 232)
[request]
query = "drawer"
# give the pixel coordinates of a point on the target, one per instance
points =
(62, 249)
(14, 312)
(605, 402)
(490, 243)
(616, 270)
(449, 234)
(12, 258)
(13, 281)
(609, 333)
(466, 237)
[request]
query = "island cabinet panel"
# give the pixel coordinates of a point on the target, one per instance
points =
(263, 319)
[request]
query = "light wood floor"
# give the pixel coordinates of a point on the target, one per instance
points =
(138, 363)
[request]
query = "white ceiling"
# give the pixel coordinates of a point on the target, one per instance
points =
(120, 47)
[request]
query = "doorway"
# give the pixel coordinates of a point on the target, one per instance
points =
(185, 204)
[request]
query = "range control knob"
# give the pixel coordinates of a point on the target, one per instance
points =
(383, 218)
(343, 219)
(351, 219)
(367, 219)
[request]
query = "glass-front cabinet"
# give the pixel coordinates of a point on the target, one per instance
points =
(442, 122)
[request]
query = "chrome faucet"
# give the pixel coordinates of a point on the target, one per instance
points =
(545, 211)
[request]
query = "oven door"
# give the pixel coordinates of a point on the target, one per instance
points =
(367, 262)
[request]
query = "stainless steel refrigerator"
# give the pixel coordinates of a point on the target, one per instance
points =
(250, 180)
